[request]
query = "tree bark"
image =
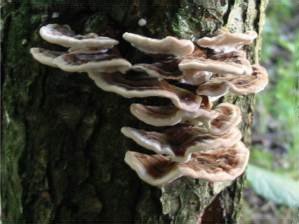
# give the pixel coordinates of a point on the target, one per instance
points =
(62, 150)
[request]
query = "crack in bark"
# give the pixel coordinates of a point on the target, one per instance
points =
(230, 4)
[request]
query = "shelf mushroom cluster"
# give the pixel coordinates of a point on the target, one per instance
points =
(196, 139)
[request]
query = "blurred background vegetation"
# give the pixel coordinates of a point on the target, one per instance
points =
(272, 188)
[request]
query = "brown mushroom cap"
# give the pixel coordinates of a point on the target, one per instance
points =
(141, 85)
(64, 36)
(45, 56)
(167, 46)
(238, 57)
(194, 77)
(180, 142)
(223, 164)
(169, 69)
(227, 42)
(164, 69)
(213, 88)
(228, 117)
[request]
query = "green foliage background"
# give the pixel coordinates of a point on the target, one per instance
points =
(278, 105)
(273, 172)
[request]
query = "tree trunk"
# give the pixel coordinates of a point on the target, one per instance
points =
(62, 150)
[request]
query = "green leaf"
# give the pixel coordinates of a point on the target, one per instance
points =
(274, 187)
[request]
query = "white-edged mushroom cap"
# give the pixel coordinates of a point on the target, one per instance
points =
(180, 142)
(45, 56)
(227, 42)
(170, 115)
(92, 61)
(141, 86)
(214, 66)
(64, 36)
(237, 84)
(253, 83)
(157, 115)
(168, 45)
(213, 165)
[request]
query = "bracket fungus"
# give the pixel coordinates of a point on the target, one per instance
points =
(166, 46)
(237, 84)
(86, 53)
(169, 115)
(226, 41)
(64, 36)
(224, 164)
(140, 86)
(193, 137)
(164, 69)
(100, 61)
(181, 141)
(45, 56)
(214, 66)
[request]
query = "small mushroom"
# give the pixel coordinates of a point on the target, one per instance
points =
(223, 164)
(166, 46)
(141, 85)
(64, 36)
(227, 42)
(181, 141)
(45, 56)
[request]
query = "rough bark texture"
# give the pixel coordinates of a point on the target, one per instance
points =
(62, 151)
